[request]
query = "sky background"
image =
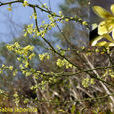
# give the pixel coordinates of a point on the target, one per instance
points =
(11, 23)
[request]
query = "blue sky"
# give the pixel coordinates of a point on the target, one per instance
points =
(11, 23)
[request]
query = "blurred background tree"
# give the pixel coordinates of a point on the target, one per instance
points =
(73, 34)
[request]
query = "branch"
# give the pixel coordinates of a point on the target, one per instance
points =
(101, 82)
(76, 19)
(88, 99)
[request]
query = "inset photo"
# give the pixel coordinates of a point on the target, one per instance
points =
(101, 23)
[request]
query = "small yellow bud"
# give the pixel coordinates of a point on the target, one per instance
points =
(84, 23)
(9, 9)
(66, 19)
(25, 3)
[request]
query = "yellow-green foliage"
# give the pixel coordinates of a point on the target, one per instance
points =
(69, 69)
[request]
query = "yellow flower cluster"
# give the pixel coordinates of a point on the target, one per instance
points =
(16, 98)
(63, 62)
(34, 15)
(10, 7)
(87, 81)
(5, 67)
(44, 56)
(111, 73)
(25, 54)
(25, 3)
(21, 51)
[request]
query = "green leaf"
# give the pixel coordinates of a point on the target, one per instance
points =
(112, 9)
(94, 42)
(113, 34)
(102, 28)
(103, 43)
(108, 37)
(101, 12)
